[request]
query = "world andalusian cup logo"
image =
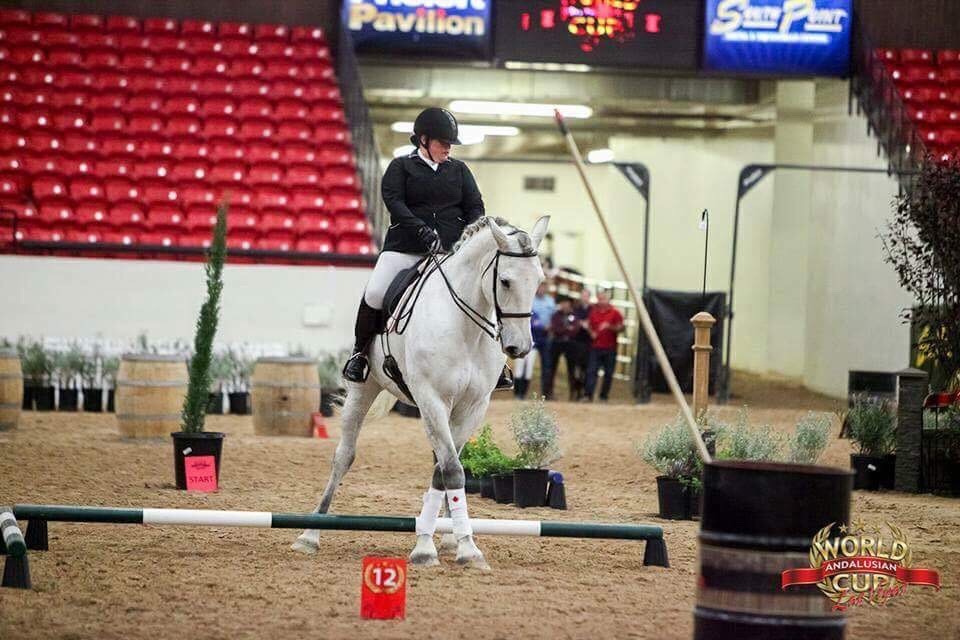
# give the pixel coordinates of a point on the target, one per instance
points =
(861, 566)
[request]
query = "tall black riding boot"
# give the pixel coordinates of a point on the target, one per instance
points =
(368, 324)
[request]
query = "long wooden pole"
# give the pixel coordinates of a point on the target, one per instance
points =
(645, 321)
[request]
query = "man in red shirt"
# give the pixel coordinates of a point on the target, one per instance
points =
(603, 323)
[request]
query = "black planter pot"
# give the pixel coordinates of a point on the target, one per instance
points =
(239, 403)
(556, 491)
(215, 404)
(69, 400)
(43, 398)
(93, 400)
(204, 443)
(28, 392)
(486, 487)
(887, 471)
(503, 487)
(470, 483)
(530, 487)
(866, 471)
(674, 499)
(111, 394)
(326, 403)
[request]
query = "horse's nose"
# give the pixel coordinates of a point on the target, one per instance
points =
(514, 352)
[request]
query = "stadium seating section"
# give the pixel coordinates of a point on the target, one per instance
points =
(929, 85)
(121, 131)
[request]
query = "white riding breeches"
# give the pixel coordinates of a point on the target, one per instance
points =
(523, 367)
(389, 264)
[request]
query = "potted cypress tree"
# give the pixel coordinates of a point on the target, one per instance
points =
(108, 371)
(872, 426)
(240, 369)
(92, 395)
(192, 440)
(37, 367)
(536, 433)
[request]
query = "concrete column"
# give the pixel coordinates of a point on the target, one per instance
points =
(789, 231)
(702, 322)
(911, 391)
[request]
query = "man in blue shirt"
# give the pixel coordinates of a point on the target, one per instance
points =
(543, 308)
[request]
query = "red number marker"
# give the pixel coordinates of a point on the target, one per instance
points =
(383, 594)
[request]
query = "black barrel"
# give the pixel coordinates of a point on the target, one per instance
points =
(758, 520)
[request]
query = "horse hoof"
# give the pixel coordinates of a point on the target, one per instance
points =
(305, 545)
(424, 559)
(474, 562)
(448, 543)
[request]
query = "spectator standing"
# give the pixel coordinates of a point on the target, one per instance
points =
(543, 308)
(579, 348)
(604, 323)
(564, 328)
(523, 367)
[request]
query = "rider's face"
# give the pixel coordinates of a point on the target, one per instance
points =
(439, 150)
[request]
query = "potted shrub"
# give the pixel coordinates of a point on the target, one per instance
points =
(671, 451)
(240, 369)
(192, 440)
(92, 395)
(536, 433)
(872, 426)
(809, 438)
(482, 459)
(37, 366)
(108, 372)
(331, 383)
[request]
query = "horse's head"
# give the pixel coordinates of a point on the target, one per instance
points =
(517, 276)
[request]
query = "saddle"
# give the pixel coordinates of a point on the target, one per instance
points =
(401, 283)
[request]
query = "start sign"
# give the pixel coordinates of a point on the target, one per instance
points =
(383, 595)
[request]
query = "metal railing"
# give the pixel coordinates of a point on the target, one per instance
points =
(361, 132)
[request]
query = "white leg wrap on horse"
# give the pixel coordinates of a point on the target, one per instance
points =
(457, 503)
(427, 520)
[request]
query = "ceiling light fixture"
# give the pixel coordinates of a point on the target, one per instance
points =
(599, 156)
(488, 107)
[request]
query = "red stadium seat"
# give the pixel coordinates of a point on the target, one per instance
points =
(314, 221)
(228, 172)
(233, 47)
(351, 223)
(299, 153)
(37, 140)
(69, 99)
(15, 35)
(271, 32)
(211, 66)
(14, 17)
(84, 22)
(343, 202)
(921, 95)
(266, 197)
(262, 152)
(288, 89)
(114, 166)
(235, 195)
(326, 133)
(12, 162)
(217, 107)
(174, 63)
(8, 115)
(166, 217)
(241, 239)
(948, 58)
(182, 105)
(265, 173)
(222, 150)
(96, 39)
(311, 52)
(193, 28)
(327, 112)
(26, 54)
(254, 108)
(281, 70)
(246, 67)
(294, 131)
(166, 26)
(950, 75)
(77, 80)
(291, 110)
(33, 232)
(145, 103)
(64, 58)
(158, 239)
(191, 149)
(307, 34)
(201, 218)
(55, 212)
(160, 192)
(117, 236)
(23, 209)
(49, 187)
(111, 81)
(251, 88)
(137, 62)
(145, 124)
(924, 56)
(355, 244)
(198, 194)
(107, 101)
(122, 24)
(916, 75)
(307, 200)
(339, 177)
(315, 243)
(108, 122)
(11, 184)
(127, 214)
(50, 20)
(119, 145)
(86, 189)
(271, 220)
(57, 38)
(303, 176)
(272, 49)
(167, 44)
(118, 189)
(235, 30)
(219, 127)
(277, 241)
(189, 170)
(256, 129)
(183, 126)
(92, 212)
(134, 42)
(242, 218)
(151, 169)
(314, 71)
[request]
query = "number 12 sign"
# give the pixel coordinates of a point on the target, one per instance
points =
(383, 595)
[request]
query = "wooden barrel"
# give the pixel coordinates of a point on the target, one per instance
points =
(11, 389)
(759, 519)
(150, 393)
(285, 394)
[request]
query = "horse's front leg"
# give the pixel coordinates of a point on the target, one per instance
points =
(464, 421)
(448, 482)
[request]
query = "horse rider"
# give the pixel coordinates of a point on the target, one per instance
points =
(431, 198)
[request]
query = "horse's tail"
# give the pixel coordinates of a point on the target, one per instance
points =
(381, 406)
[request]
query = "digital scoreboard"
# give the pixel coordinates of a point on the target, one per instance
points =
(603, 33)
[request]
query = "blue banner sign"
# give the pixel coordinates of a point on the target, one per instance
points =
(796, 37)
(450, 28)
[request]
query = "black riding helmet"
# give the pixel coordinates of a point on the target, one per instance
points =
(436, 124)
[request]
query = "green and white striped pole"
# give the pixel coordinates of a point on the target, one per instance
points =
(655, 553)
(16, 569)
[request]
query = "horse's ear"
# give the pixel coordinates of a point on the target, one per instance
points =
(502, 241)
(539, 231)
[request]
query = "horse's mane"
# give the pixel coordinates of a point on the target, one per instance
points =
(481, 223)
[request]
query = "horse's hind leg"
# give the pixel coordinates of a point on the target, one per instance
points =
(355, 407)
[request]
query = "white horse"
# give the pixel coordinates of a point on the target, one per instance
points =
(450, 362)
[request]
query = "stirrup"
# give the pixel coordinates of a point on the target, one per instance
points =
(506, 379)
(356, 369)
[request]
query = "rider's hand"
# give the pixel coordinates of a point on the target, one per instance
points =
(429, 239)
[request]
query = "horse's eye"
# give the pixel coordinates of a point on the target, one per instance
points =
(505, 283)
